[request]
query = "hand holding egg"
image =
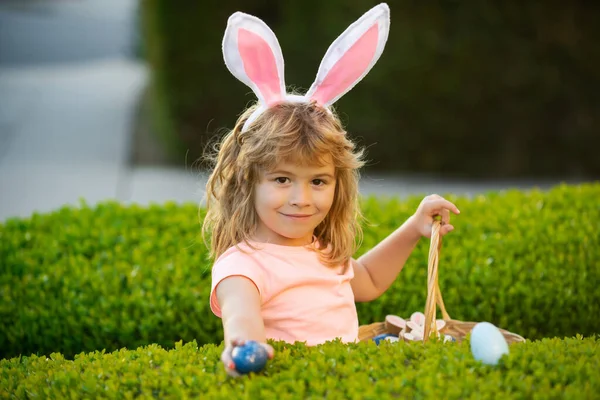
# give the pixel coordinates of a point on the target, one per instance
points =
(249, 357)
(242, 357)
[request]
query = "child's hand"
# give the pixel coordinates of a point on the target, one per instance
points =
(430, 207)
(228, 361)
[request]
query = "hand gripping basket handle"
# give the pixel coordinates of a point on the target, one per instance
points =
(434, 295)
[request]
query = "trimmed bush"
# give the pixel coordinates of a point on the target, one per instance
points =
(104, 277)
(112, 276)
(550, 368)
(528, 262)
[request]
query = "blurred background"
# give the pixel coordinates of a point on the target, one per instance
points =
(118, 99)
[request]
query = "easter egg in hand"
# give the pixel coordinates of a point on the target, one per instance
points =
(249, 357)
(487, 343)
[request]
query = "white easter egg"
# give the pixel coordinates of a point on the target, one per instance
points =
(487, 343)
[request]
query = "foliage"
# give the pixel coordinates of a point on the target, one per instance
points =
(487, 89)
(111, 276)
(549, 368)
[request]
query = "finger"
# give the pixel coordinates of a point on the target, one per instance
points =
(270, 350)
(439, 204)
(228, 363)
(446, 229)
(226, 356)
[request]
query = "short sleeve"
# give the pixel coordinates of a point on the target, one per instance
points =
(234, 263)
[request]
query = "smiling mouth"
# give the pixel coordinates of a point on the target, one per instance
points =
(298, 216)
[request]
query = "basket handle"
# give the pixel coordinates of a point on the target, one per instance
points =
(434, 295)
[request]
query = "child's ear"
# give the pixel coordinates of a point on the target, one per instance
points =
(351, 56)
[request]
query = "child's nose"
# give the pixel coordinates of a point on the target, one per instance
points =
(301, 196)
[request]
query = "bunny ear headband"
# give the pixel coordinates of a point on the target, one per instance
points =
(253, 55)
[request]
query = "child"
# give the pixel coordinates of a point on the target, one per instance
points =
(282, 200)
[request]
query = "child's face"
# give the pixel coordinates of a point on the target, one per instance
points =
(291, 200)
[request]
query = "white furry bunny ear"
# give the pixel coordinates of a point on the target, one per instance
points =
(351, 56)
(253, 55)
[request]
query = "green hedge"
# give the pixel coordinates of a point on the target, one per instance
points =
(112, 276)
(529, 262)
(550, 368)
(500, 89)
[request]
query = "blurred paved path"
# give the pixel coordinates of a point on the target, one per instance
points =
(59, 31)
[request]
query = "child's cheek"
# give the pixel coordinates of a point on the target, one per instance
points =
(275, 197)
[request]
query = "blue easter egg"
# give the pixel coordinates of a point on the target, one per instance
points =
(377, 339)
(487, 343)
(250, 357)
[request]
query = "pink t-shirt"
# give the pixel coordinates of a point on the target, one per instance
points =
(302, 299)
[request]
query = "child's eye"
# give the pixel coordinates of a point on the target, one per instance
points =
(319, 182)
(281, 179)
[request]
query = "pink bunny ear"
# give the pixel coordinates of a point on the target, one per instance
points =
(253, 55)
(351, 56)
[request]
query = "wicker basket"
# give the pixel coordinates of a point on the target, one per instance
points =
(455, 328)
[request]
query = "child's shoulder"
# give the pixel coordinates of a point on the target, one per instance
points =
(249, 251)
(238, 251)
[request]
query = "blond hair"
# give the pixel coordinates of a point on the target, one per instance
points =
(289, 132)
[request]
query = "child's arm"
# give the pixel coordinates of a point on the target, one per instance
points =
(242, 321)
(377, 269)
(240, 309)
